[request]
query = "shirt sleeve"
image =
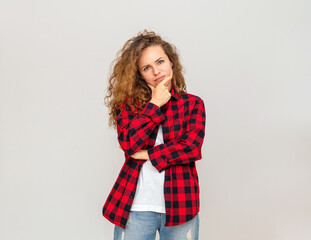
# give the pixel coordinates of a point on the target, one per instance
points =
(134, 131)
(186, 148)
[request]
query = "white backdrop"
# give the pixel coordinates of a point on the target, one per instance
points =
(248, 60)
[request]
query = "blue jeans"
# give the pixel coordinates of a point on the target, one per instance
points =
(144, 225)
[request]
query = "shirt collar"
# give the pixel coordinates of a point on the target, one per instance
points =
(174, 94)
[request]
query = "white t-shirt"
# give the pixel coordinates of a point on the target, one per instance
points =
(149, 193)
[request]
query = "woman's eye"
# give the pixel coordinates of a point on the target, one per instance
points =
(146, 68)
(161, 61)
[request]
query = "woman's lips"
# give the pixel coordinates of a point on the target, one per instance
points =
(160, 78)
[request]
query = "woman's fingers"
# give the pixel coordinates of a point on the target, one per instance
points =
(166, 81)
(141, 155)
(161, 93)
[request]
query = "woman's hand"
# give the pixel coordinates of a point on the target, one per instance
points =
(160, 93)
(140, 154)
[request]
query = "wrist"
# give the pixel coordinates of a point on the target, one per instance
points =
(155, 102)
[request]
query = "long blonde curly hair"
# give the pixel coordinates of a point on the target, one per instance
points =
(126, 87)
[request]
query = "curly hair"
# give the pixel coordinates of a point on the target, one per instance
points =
(126, 86)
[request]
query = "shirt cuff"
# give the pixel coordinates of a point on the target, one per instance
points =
(157, 158)
(154, 113)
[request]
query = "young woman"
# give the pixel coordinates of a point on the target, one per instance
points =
(161, 130)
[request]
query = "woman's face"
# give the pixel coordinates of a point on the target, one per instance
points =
(154, 65)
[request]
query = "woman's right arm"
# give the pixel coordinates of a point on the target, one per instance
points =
(134, 131)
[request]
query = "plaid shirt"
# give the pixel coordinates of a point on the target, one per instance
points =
(183, 124)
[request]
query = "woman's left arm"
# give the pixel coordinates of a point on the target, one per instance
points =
(186, 148)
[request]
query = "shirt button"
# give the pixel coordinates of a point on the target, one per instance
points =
(132, 195)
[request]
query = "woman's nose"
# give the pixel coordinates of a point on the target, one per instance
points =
(156, 71)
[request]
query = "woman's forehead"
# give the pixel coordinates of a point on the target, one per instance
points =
(151, 54)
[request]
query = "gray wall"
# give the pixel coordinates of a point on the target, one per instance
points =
(248, 60)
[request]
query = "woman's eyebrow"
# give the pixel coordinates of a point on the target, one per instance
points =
(158, 59)
(154, 61)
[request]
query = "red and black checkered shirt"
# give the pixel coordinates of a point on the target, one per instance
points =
(183, 124)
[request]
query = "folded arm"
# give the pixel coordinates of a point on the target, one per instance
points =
(186, 148)
(134, 131)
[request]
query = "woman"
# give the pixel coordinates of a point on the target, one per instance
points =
(161, 130)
